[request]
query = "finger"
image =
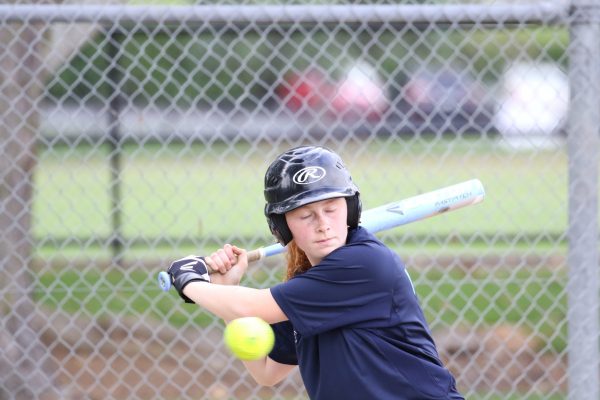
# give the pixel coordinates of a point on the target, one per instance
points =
(237, 250)
(211, 264)
(229, 250)
(224, 259)
(240, 253)
(216, 262)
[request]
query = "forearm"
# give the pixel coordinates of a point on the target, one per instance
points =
(230, 302)
(267, 372)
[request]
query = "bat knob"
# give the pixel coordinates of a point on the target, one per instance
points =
(164, 281)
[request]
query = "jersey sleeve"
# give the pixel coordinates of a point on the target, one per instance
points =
(351, 287)
(284, 349)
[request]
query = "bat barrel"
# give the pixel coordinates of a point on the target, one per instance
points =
(423, 206)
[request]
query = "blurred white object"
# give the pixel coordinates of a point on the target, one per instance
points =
(361, 93)
(533, 100)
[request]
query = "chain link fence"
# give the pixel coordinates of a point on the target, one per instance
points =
(132, 135)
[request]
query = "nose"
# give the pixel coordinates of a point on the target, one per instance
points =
(322, 223)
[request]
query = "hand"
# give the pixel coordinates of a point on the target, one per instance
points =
(186, 270)
(230, 263)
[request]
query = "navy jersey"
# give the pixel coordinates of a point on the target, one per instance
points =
(356, 328)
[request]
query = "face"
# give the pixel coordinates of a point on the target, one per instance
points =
(319, 228)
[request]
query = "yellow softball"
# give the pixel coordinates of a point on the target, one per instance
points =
(249, 338)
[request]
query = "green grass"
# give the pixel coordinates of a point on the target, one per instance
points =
(195, 192)
(534, 299)
(96, 293)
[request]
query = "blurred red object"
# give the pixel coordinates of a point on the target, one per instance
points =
(360, 94)
(305, 91)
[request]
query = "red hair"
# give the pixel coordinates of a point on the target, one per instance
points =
(297, 262)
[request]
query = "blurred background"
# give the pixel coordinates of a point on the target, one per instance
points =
(134, 133)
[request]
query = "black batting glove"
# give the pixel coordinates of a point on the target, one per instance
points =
(186, 270)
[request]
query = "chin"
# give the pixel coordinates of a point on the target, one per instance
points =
(325, 251)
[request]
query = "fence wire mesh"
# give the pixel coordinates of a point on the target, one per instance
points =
(134, 135)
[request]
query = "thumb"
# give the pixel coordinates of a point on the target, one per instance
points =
(241, 254)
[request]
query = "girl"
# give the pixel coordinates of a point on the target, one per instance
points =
(347, 313)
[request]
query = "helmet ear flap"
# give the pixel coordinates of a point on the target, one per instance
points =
(354, 210)
(279, 228)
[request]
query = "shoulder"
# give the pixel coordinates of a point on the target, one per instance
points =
(363, 246)
(361, 236)
(363, 255)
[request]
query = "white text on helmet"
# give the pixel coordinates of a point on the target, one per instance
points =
(309, 175)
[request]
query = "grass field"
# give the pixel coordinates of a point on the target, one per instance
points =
(535, 299)
(176, 197)
(193, 192)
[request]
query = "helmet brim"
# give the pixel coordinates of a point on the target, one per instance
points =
(308, 197)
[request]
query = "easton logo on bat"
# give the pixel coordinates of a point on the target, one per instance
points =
(309, 175)
(449, 201)
(395, 209)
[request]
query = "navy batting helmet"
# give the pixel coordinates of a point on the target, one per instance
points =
(304, 175)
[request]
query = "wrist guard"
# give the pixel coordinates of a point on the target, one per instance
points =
(186, 270)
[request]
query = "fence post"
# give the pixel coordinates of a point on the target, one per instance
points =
(583, 150)
(115, 98)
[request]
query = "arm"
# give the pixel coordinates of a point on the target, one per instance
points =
(230, 302)
(267, 372)
(225, 299)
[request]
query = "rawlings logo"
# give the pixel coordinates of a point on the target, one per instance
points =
(309, 175)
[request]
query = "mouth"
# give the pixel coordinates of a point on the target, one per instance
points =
(324, 241)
